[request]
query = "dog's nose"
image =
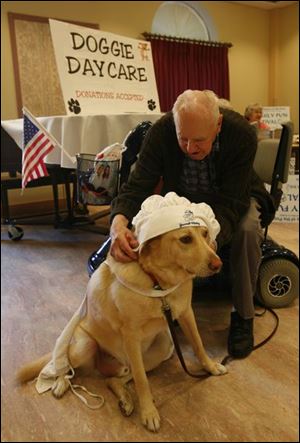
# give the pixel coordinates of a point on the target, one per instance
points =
(215, 264)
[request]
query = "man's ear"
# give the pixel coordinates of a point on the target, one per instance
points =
(219, 123)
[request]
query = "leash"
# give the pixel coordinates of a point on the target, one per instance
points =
(168, 314)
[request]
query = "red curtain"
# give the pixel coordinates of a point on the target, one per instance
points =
(183, 65)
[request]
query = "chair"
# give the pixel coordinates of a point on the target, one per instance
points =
(133, 142)
(278, 283)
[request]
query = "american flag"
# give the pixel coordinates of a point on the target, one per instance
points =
(37, 144)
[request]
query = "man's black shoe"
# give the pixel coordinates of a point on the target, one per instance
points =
(240, 339)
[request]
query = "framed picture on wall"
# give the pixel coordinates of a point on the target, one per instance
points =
(36, 77)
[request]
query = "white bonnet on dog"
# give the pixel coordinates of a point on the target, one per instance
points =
(163, 214)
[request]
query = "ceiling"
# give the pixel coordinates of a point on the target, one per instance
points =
(267, 5)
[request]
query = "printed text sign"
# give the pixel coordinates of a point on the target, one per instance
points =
(288, 211)
(101, 72)
(274, 115)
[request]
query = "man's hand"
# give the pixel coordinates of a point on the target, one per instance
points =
(123, 240)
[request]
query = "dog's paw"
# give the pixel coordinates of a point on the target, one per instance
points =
(118, 387)
(151, 419)
(126, 404)
(217, 369)
(60, 386)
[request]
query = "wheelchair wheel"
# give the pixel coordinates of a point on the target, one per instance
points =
(278, 283)
(15, 233)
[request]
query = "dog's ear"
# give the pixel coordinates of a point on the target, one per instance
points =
(145, 249)
(150, 247)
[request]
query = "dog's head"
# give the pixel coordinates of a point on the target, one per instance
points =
(175, 238)
(179, 254)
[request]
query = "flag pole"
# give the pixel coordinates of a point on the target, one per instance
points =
(42, 128)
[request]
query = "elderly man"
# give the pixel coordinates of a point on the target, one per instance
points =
(205, 154)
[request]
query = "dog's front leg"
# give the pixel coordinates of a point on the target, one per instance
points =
(149, 414)
(188, 324)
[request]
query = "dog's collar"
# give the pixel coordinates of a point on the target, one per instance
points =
(156, 285)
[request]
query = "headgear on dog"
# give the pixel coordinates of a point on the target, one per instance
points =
(163, 214)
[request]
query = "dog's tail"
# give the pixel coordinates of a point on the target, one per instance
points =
(32, 370)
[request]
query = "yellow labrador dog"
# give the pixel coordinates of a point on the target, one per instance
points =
(124, 325)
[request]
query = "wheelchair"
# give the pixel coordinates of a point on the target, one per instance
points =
(278, 282)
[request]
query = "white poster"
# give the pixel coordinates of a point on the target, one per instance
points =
(103, 73)
(275, 115)
(288, 210)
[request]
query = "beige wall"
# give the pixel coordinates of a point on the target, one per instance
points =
(263, 61)
(247, 28)
(284, 63)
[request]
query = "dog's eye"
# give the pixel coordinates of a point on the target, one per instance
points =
(186, 239)
(205, 233)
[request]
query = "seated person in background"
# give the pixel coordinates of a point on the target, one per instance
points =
(204, 153)
(253, 113)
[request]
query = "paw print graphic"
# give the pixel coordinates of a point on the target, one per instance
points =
(151, 105)
(74, 106)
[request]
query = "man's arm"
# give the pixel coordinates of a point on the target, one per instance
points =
(141, 184)
(145, 176)
(234, 176)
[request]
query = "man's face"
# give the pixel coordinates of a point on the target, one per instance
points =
(196, 135)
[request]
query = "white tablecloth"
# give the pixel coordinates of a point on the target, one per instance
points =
(81, 134)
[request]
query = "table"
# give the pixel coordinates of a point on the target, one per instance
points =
(87, 134)
(77, 135)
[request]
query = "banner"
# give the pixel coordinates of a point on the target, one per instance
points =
(274, 115)
(101, 72)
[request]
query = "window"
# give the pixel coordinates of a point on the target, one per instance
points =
(184, 20)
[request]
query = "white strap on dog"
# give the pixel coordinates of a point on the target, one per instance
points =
(81, 397)
(59, 365)
(155, 292)
(46, 384)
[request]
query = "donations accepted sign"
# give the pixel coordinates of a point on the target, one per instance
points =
(101, 72)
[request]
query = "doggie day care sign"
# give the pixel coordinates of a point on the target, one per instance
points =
(101, 72)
